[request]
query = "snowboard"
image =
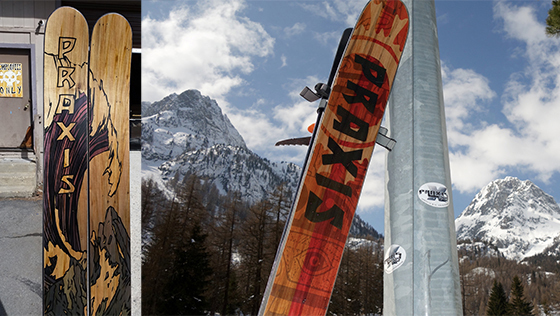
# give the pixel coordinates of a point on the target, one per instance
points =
(309, 255)
(78, 131)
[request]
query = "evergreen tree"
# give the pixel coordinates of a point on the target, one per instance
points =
(185, 290)
(518, 306)
(158, 259)
(152, 200)
(553, 20)
(224, 297)
(497, 303)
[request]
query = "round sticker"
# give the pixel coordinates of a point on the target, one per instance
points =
(434, 194)
(394, 258)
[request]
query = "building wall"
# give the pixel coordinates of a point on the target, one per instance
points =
(22, 26)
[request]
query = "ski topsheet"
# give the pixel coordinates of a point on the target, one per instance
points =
(65, 232)
(109, 196)
(309, 255)
(86, 223)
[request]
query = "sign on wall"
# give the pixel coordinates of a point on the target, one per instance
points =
(11, 83)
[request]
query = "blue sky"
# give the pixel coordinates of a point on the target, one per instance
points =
(501, 80)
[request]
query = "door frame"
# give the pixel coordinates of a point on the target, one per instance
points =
(37, 111)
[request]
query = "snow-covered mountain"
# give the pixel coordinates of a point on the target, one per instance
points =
(515, 216)
(188, 133)
(182, 123)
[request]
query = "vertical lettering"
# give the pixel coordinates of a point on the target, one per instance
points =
(333, 185)
(363, 96)
(65, 131)
(367, 67)
(65, 103)
(66, 157)
(66, 179)
(64, 75)
(335, 212)
(345, 125)
(342, 157)
(65, 45)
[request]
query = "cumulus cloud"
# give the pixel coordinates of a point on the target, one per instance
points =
(531, 105)
(206, 46)
(372, 196)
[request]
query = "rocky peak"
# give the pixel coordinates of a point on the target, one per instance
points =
(185, 122)
(516, 216)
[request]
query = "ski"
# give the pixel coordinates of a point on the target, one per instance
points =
(65, 235)
(86, 121)
(309, 254)
(109, 196)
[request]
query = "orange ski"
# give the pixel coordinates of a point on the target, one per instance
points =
(309, 255)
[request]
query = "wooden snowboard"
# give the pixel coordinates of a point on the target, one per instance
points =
(309, 255)
(86, 124)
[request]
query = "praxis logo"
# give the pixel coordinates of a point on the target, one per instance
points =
(434, 194)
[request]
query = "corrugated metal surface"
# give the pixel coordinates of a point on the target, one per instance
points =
(23, 15)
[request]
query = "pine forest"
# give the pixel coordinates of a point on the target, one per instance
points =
(206, 254)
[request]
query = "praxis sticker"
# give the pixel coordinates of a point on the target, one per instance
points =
(434, 194)
(394, 258)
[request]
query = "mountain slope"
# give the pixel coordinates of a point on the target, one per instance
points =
(516, 216)
(188, 133)
(182, 123)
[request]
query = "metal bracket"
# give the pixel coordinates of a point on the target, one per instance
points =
(384, 141)
(322, 91)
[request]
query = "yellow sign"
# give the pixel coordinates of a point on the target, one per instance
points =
(11, 83)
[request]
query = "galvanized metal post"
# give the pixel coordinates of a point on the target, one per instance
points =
(421, 266)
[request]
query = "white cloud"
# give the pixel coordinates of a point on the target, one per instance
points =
(345, 11)
(284, 60)
(481, 152)
(296, 29)
(373, 196)
(256, 127)
(206, 46)
(261, 131)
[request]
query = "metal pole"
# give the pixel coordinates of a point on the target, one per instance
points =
(421, 266)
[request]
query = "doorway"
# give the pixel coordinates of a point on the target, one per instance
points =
(15, 99)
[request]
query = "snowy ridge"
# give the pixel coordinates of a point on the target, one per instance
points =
(516, 216)
(478, 249)
(233, 168)
(184, 122)
(188, 133)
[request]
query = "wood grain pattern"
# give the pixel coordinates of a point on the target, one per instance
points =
(65, 234)
(310, 254)
(109, 196)
(86, 108)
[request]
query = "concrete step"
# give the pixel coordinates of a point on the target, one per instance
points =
(17, 177)
(17, 165)
(12, 192)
